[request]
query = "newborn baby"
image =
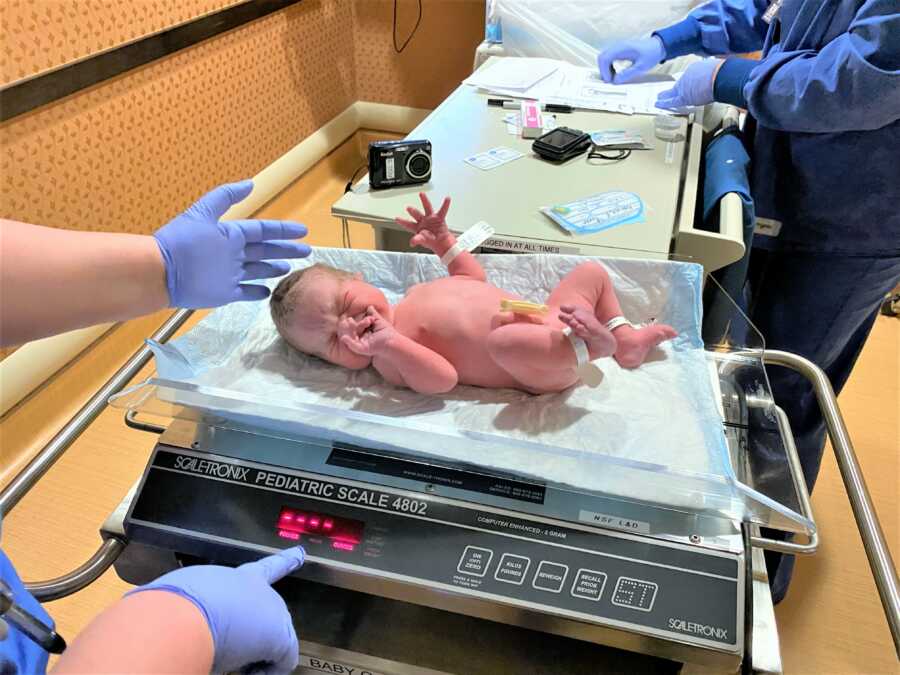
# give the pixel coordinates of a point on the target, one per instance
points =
(452, 330)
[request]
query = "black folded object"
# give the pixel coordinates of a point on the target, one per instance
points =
(561, 144)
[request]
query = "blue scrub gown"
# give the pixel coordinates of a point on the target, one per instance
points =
(824, 137)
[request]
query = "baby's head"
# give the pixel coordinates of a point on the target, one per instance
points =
(313, 307)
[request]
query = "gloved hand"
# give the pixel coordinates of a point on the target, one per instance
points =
(25, 655)
(644, 54)
(249, 621)
(206, 259)
(693, 88)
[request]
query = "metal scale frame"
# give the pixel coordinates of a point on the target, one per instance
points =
(470, 584)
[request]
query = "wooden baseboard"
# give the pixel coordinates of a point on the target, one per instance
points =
(34, 363)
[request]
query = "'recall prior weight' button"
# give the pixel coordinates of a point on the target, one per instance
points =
(589, 584)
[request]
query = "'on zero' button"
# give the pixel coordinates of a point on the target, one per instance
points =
(475, 561)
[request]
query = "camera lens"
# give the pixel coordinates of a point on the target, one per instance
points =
(418, 164)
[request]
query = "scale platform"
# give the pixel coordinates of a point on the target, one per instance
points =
(419, 562)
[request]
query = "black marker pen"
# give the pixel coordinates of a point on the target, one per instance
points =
(512, 104)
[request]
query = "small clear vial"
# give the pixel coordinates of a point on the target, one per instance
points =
(668, 128)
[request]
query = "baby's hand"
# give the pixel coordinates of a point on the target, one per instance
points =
(371, 336)
(428, 227)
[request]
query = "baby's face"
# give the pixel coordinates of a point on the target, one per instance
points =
(331, 308)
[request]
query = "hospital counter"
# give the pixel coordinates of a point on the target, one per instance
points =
(831, 621)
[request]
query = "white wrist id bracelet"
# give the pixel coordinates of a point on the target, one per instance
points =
(580, 346)
(472, 238)
(451, 254)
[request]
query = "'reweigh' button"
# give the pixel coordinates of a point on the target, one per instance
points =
(512, 569)
(589, 584)
(475, 561)
(550, 576)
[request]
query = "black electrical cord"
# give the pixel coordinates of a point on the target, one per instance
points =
(345, 228)
(621, 153)
(349, 185)
(400, 49)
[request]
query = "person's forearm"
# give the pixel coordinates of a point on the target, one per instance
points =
(850, 84)
(421, 369)
(55, 280)
(717, 28)
(150, 632)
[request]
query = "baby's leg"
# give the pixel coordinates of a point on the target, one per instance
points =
(587, 300)
(539, 358)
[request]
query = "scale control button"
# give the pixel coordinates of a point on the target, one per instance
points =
(550, 576)
(634, 594)
(512, 569)
(475, 561)
(589, 584)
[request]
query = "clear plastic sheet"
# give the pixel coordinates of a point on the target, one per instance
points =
(653, 435)
(576, 30)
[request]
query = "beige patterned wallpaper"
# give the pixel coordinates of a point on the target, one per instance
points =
(129, 153)
(438, 57)
(39, 35)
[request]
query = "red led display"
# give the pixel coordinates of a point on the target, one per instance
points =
(343, 533)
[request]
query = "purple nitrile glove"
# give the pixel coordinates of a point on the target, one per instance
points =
(693, 88)
(248, 620)
(643, 54)
(208, 259)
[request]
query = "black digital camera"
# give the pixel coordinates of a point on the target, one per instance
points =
(397, 163)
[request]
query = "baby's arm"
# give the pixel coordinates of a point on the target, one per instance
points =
(405, 362)
(431, 231)
(400, 360)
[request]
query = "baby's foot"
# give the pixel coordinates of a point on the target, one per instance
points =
(600, 341)
(635, 343)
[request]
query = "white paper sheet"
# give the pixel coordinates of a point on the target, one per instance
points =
(516, 74)
(583, 88)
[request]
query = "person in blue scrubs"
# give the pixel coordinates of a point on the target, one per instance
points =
(196, 619)
(824, 135)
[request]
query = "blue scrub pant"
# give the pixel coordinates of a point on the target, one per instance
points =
(821, 306)
(19, 655)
